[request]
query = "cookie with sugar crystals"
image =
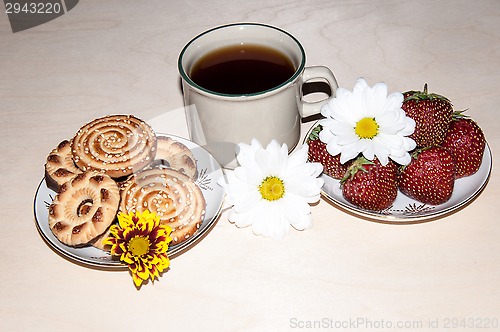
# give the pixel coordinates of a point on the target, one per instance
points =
(172, 195)
(174, 154)
(117, 145)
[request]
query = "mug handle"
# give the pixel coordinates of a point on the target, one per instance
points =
(321, 73)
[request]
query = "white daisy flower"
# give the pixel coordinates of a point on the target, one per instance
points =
(367, 121)
(271, 190)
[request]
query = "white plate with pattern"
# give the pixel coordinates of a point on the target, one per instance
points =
(406, 210)
(209, 171)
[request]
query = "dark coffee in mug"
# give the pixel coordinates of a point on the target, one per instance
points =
(259, 72)
(242, 69)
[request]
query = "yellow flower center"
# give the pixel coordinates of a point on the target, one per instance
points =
(366, 128)
(272, 188)
(138, 246)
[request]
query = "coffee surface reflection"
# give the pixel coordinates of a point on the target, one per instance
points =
(242, 69)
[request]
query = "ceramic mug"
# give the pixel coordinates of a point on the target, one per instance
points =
(219, 121)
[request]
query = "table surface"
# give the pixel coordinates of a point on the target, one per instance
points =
(105, 57)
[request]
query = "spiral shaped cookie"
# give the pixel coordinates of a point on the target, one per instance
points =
(59, 166)
(117, 145)
(83, 208)
(175, 155)
(173, 196)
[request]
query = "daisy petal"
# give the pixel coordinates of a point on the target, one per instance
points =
(299, 214)
(347, 109)
(347, 155)
(394, 100)
(271, 190)
(404, 160)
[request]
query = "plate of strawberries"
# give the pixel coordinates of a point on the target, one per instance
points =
(449, 167)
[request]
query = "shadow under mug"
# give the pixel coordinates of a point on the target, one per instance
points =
(219, 121)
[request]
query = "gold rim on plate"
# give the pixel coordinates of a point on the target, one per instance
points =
(209, 172)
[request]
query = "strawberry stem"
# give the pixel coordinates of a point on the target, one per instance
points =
(357, 165)
(424, 95)
(457, 115)
(314, 135)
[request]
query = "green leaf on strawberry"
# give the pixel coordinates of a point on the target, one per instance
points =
(369, 185)
(432, 114)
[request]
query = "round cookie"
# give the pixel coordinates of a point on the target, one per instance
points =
(59, 167)
(98, 242)
(175, 155)
(172, 195)
(117, 145)
(84, 208)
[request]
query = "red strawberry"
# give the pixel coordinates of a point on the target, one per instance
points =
(432, 114)
(430, 176)
(317, 153)
(466, 143)
(370, 185)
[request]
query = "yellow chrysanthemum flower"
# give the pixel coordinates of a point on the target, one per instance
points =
(141, 242)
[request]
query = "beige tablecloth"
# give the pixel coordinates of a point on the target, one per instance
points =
(347, 272)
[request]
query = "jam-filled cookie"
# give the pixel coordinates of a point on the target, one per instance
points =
(59, 167)
(84, 208)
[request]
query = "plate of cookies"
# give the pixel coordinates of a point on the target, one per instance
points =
(118, 164)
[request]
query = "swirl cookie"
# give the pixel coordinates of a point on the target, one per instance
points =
(175, 155)
(173, 196)
(84, 208)
(117, 145)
